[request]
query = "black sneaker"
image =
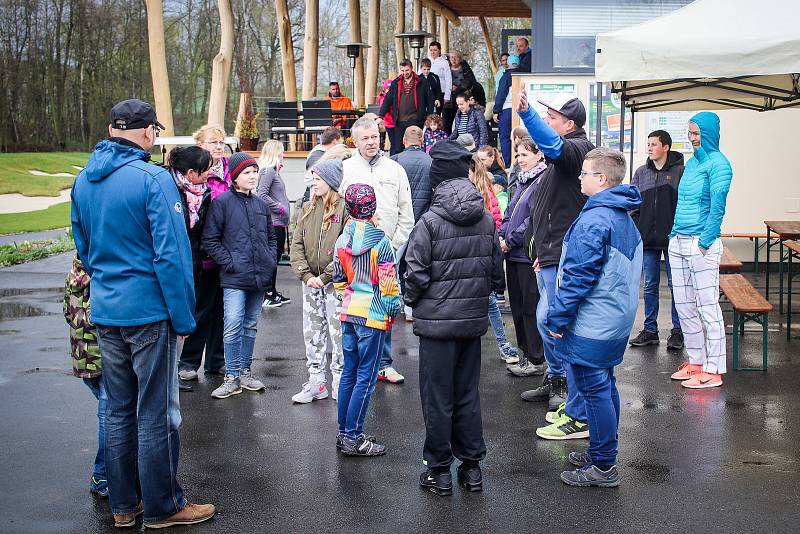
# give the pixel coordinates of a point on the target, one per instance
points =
(340, 442)
(558, 393)
(645, 338)
(438, 482)
(500, 296)
(579, 459)
(284, 299)
(272, 301)
(541, 393)
(675, 341)
(590, 475)
(361, 446)
(184, 387)
(470, 477)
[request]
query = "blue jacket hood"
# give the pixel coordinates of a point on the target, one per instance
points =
(624, 196)
(708, 123)
(109, 156)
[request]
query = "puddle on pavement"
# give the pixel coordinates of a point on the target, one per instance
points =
(652, 472)
(56, 370)
(18, 310)
(8, 332)
(15, 291)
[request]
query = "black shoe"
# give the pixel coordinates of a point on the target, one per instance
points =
(541, 393)
(182, 386)
(675, 341)
(438, 482)
(500, 296)
(558, 393)
(340, 442)
(579, 459)
(284, 299)
(361, 446)
(272, 301)
(470, 477)
(645, 338)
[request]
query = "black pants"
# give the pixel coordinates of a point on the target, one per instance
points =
(280, 236)
(207, 336)
(523, 296)
(449, 373)
(400, 131)
(448, 116)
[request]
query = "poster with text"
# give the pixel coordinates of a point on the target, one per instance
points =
(609, 133)
(549, 92)
(676, 124)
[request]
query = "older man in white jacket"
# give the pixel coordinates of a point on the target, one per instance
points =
(395, 214)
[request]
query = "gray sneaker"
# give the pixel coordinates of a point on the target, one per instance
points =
(526, 368)
(579, 459)
(590, 475)
(311, 391)
(231, 386)
(249, 382)
(187, 374)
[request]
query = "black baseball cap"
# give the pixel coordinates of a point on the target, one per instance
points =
(133, 114)
(571, 108)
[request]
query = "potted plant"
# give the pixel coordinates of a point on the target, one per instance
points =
(248, 132)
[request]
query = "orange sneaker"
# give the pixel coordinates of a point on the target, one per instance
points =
(686, 371)
(703, 380)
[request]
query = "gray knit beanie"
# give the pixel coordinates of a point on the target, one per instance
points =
(330, 170)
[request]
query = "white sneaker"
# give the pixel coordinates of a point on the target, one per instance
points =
(391, 375)
(187, 374)
(409, 313)
(311, 391)
(335, 388)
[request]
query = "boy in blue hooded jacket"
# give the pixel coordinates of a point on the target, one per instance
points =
(592, 315)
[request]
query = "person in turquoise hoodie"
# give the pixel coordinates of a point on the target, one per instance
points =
(130, 234)
(695, 250)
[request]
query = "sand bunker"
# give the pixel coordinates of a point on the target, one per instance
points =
(16, 203)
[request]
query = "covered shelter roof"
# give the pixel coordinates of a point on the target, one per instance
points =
(710, 54)
(496, 8)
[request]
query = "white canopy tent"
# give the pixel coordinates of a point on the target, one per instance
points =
(711, 54)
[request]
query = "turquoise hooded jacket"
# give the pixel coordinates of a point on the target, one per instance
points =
(704, 187)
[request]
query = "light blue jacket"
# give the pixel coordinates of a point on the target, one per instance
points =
(704, 186)
(598, 280)
(128, 226)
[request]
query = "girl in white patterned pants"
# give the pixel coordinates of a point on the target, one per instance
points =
(322, 329)
(695, 286)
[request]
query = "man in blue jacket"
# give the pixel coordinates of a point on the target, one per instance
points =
(129, 230)
(593, 312)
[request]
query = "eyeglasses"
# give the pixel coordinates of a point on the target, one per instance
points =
(217, 143)
(584, 173)
(693, 134)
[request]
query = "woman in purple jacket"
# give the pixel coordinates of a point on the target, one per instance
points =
(272, 190)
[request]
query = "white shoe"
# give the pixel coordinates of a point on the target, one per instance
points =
(335, 388)
(311, 391)
(409, 313)
(188, 374)
(391, 375)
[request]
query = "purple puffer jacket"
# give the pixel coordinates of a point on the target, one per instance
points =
(518, 218)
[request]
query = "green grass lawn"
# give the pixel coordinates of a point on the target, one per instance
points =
(16, 178)
(56, 216)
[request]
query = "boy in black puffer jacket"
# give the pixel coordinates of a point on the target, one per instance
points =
(454, 263)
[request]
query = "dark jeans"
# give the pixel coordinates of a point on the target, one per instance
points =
(99, 392)
(386, 351)
(523, 297)
(596, 395)
(651, 268)
(390, 134)
(448, 116)
(449, 375)
(361, 346)
(280, 236)
(207, 337)
(504, 128)
(399, 131)
(140, 376)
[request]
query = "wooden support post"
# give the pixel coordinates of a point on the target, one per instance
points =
(431, 26)
(444, 11)
(416, 16)
(373, 53)
(489, 47)
(311, 50)
(400, 27)
(221, 66)
(158, 65)
(354, 12)
(445, 37)
(244, 107)
(287, 50)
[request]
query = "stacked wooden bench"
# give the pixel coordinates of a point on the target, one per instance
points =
(729, 263)
(748, 306)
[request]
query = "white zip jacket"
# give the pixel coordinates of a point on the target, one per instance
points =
(390, 182)
(441, 67)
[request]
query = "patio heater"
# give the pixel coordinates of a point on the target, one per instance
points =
(416, 40)
(353, 52)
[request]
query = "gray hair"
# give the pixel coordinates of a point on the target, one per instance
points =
(362, 123)
(609, 162)
(456, 53)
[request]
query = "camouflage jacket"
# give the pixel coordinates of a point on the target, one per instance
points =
(86, 361)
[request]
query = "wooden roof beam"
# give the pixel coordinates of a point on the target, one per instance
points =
(444, 11)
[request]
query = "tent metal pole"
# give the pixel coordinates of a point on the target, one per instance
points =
(622, 123)
(598, 123)
(630, 166)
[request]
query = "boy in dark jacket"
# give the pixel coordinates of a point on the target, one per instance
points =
(592, 315)
(657, 181)
(239, 236)
(454, 263)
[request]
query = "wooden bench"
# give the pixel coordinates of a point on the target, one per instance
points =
(729, 263)
(748, 306)
(752, 236)
(793, 252)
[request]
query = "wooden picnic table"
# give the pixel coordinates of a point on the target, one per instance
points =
(792, 252)
(785, 230)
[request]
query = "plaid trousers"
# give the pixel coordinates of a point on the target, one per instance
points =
(695, 288)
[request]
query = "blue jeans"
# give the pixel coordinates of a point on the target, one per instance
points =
(496, 318)
(651, 267)
(546, 280)
(504, 129)
(595, 393)
(140, 376)
(361, 346)
(386, 350)
(242, 310)
(99, 392)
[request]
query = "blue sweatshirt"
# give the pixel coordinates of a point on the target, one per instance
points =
(704, 186)
(128, 226)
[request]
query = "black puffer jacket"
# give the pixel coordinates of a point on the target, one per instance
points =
(240, 237)
(195, 233)
(453, 262)
(659, 189)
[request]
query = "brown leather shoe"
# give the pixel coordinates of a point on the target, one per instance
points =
(128, 520)
(191, 514)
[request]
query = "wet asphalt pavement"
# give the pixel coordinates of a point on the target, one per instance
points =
(721, 460)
